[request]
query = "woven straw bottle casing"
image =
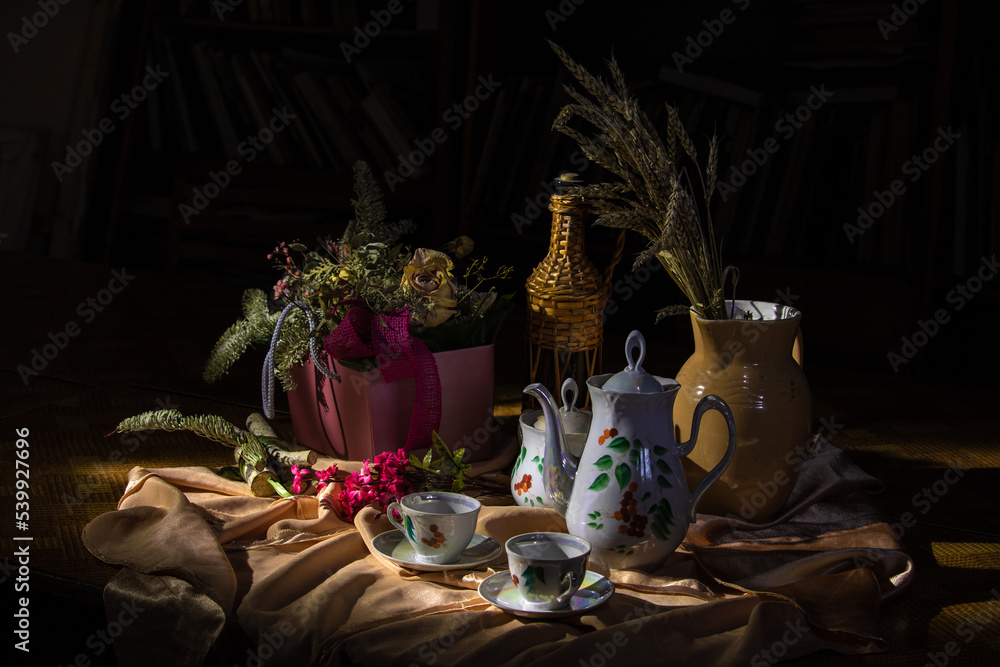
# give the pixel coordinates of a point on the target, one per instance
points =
(566, 297)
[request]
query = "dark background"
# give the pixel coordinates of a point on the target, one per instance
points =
(892, 91)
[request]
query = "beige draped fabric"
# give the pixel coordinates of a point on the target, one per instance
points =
(203, 560)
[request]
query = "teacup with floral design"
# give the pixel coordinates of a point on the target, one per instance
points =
(438, 524)
(547, 568)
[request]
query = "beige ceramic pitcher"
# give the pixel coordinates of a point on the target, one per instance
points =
(748, 362)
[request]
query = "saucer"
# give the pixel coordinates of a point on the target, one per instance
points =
(395, 547)
(498, 589)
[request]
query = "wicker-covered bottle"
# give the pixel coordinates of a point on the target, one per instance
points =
(566, 297)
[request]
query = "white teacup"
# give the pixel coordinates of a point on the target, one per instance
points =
(439, 525)
(547, 568)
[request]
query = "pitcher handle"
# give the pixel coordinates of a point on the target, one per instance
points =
(710, 402)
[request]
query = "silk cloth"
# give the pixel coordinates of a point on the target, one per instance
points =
(203, 559)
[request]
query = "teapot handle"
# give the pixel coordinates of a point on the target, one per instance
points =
(710, 402)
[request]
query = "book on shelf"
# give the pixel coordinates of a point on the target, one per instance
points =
(22, 152)
(349, 101)
(334, 126)
(239, 114)
(488, 155)
(278, 88)
(181, 105)
(261, 107)
(212, 92)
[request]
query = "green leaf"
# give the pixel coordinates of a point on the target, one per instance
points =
(664, 468)
(591, 524)
(541, 470)
(633, 455)
(601, 482)
(539, 499)
(663, 483)
(603, 463)
(619, 445)
(536, 459)
(659, 450)
(663, 513)
(531, 502)
(646, 496)
(599, 526)
(624, 475)
(428, 457)
(298, 247)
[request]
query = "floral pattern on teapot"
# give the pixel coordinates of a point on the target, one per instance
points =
(626, 493)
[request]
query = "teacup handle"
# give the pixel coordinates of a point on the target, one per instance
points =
(393, 509)
(710, 402)
(568, 586)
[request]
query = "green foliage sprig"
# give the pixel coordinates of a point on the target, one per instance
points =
(448, 463)
(366, 265)
(256, 325)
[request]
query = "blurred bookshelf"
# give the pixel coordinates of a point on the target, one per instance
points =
(820, 107)
(837, 123)
(265, 107)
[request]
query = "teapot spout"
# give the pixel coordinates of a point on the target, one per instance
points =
(560, 464)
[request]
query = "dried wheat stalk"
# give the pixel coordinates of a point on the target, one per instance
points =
(655, 197)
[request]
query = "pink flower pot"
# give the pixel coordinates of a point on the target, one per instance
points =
(362, 415)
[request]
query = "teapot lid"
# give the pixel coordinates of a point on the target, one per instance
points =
(633, 379)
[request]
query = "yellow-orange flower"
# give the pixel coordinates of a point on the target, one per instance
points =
(429, 274)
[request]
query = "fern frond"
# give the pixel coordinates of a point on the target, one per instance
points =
(212, 427)
(257, 324)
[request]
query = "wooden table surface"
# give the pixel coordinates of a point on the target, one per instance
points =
(934, 446)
